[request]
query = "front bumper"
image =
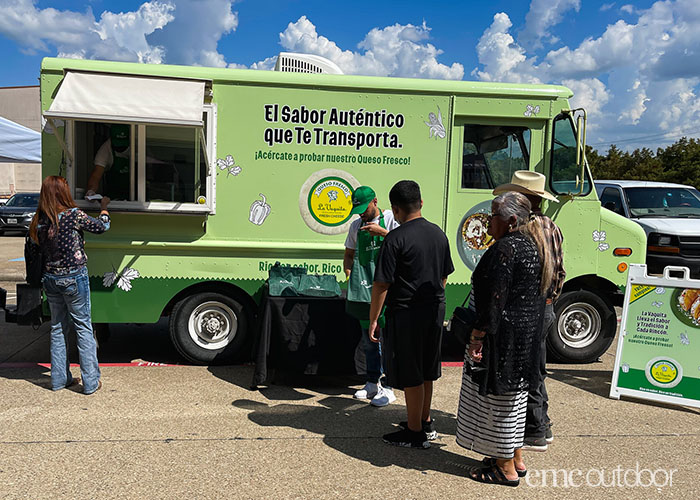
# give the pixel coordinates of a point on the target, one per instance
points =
(656, 263)
(19, 223)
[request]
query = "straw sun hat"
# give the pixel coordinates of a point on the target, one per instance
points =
(526, 182)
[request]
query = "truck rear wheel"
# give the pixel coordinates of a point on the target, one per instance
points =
(584, 328)
(210, 328)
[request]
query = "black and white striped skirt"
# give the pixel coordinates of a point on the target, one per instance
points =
(491, 425)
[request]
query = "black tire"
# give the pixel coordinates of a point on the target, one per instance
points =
(210, 328)
(584, 327)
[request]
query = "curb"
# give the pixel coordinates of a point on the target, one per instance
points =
(12, 277)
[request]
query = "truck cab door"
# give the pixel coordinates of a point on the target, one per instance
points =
(484, 153)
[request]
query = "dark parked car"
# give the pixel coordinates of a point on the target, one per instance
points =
(17, 213)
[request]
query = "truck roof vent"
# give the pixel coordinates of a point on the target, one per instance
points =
(305, 63)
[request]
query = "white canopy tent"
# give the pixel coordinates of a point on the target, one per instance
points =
(18, 144)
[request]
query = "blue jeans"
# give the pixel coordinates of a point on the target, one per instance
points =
(375, 366)
(69, 301)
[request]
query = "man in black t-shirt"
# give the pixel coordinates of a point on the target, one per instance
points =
(412, 269)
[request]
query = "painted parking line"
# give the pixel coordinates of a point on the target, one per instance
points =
(149, 364)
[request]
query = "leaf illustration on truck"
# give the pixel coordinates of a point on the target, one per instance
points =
(599, 237)
(228, 164)
(435, 125)
(122, 279)
(259, 211)
(531, 110)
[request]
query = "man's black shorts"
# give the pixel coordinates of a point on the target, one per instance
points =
(412, 341)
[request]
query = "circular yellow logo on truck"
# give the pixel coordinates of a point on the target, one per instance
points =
(664, 372)
(330, 201)
(325, 201)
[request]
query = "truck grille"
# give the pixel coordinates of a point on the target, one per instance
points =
(690, 246)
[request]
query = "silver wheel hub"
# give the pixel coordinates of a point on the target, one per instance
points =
(212, 325)
(579, 325)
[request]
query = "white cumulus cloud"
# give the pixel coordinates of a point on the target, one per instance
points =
(639, 75)
(192, 37)
(502, 58)
(397, 50)
(589, 93)
(543, 15)
(173, 31)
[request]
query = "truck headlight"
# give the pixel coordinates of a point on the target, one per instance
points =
(663, 243)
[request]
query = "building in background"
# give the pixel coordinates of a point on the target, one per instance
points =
(21, 105)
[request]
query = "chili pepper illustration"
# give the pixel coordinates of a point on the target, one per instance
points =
(259, 211)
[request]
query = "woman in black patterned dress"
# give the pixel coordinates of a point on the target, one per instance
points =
(501, 355)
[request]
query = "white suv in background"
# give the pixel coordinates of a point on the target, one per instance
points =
(669, 214)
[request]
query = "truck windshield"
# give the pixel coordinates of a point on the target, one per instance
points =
(663, 202)
(565, 174)
(23, 201)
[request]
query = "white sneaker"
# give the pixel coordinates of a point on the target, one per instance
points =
(383, 397)
(367, 392)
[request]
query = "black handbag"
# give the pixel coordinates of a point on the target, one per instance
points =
(462, 322)
(34, 262)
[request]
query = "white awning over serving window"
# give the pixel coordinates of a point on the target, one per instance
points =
(123, 98)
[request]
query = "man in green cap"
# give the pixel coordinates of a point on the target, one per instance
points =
(361, 250)
(113, 161)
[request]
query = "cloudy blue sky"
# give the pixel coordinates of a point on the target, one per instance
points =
(634, 66)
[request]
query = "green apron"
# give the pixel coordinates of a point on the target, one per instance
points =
(117, 178)
(362, 275)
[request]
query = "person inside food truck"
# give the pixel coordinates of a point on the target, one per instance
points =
(113, 162)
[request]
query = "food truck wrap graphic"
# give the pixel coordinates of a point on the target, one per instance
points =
(235, 170)
(658, 355)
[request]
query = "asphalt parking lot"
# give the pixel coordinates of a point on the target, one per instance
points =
(162, 429)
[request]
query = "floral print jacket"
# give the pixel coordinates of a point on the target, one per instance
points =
(63, 248)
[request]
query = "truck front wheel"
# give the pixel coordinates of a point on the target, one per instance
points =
(584, 328)
(209, 328)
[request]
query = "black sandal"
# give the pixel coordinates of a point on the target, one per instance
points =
(491, 475)
(492, 461)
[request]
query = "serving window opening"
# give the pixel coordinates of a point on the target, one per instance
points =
(143, 166)
(146, 142)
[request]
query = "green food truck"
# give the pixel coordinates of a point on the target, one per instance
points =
(228, 171)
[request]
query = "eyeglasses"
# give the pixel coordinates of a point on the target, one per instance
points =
(491, 216)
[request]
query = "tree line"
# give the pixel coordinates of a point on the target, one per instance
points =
(679, 163)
